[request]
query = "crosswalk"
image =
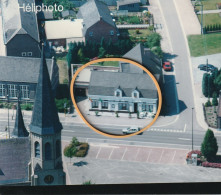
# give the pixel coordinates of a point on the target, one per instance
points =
(168, 130)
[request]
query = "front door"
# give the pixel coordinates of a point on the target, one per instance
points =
(135, 107)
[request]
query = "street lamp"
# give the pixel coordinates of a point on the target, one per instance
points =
(8, 115)
(192, 129)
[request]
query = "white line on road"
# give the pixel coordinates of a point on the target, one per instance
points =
(111, 154)
(173, 156)
(98, 152)
(184, 130)
(124, 154)
(137, 153)
(184, 139)
(68, 131)
(161, 155)
(148, 155)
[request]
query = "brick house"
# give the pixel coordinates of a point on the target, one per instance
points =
(97, 22)
(20, 29)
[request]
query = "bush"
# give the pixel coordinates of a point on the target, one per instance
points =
(209, 146)
(60, 103)
(215, 101)
(208, 103)
(83, 149)
(75, 141)
(205, 82)
(213, 165)
(26, 106)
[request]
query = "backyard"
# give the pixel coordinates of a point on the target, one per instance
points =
(210, 19)
(210, 4)
(204, 45)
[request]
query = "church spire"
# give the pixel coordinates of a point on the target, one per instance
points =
(45, 120)
(19, 128)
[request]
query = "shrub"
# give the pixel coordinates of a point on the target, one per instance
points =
(213, 165)
(60, 103)
(137, 31)
(96, 113)
(26, 106)
(75, 142)
(215, 101)
(218, 5)
(208, 103)
(205, 82)
(209, 146)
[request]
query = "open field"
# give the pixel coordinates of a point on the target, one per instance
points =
(210, 4)
(210, 44)
(209, 19)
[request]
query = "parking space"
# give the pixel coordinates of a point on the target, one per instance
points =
(137, 153)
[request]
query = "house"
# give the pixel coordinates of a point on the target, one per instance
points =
(21, 74)
(122, 92)
(97, 22)
(63, 32)
(130, 5)
(20, 29)
(145, 57)
(68, 13)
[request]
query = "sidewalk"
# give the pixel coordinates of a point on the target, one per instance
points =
(210, 11)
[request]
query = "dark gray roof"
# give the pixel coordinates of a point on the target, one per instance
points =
(23, 69)
(105, 83)
(67, 13)
(45, 120)
(130, 68)
(19, 128)
(16, 21)
(126, 2)
(93, 11)
(15, 155)
(146, 58)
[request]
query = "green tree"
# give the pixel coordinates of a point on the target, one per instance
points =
(205, 84)
(75, 142)
(209, 146)
(215, 101)
(102, 52)
(153, 40)
(81, 56)
(70, 151)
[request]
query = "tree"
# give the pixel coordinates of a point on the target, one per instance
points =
(209, 146)
(153, 40)
(205, 84)
(215, 101)
(75, 142)
(102, 52)
(70, 151)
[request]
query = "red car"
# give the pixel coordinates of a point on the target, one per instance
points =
(167, 66)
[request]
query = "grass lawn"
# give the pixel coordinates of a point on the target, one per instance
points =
(210, 4)
(109, 63)
(132, 33)
(210, 19)
(196, 44)
(63, 71)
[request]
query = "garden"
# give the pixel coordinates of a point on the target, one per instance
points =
(207, 156)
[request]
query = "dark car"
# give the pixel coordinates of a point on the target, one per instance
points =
(208, 67)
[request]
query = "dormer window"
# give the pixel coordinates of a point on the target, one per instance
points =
(118, 93)
(135, 94)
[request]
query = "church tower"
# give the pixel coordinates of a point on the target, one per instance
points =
(45, 132)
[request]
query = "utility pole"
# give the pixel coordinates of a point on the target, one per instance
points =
(192, 129)
(8, 115)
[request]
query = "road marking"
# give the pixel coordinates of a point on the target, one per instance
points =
(137, 153)
(177, 117)
(111, 154)
(184, 130)
(68, 130)
(148, 155)
(98, 152)
(124, 153)
(173, 156)
(184, 139)
(167, 130)
(161, 155)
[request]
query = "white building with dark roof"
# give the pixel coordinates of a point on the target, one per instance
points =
(122, 92)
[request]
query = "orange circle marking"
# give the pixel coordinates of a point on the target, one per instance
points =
(122, 60)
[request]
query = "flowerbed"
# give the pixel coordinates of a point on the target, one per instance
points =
(213, 165)
(199, 154)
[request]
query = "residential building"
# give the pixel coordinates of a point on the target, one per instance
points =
(45, 133)
(122, 92)
(68, 13)
(20, 29)
(129, 5)
(63, 32)
(145, 57)
(97, 22)
(21, 74)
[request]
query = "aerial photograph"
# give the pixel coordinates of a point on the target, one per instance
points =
(110, 92)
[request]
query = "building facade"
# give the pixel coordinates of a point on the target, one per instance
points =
(122, 92)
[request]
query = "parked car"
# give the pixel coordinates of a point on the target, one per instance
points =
(167, 66)
(208, 67)
(130, 130)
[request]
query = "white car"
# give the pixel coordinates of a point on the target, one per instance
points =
(130, 130)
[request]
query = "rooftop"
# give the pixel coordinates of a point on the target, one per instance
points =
(126, 2)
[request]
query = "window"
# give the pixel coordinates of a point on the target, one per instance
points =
(58, 148)
(91, 34)
(94, 104)
(123, 106)
(23, 54)
(104, 105)
(2, 90)
(37, 150)
(111, 32)
(117, 93)
(47, 151)
(113, 106)
(135, 94)
(29, 54)
(150, 108)
(24, 92)
(147, 107)
(12, 91)
(49, 179)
